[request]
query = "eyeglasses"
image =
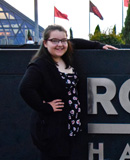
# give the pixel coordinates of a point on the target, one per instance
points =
(56, 41)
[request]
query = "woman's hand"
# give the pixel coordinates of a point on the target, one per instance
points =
(109, 47)
(56, 104)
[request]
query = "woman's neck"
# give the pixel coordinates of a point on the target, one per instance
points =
(62, 67)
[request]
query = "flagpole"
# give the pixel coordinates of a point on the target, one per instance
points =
(36, 36)
(122, 14)
(54, 9)
(54, 14)
(89, 17)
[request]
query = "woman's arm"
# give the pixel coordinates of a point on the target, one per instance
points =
(109, 47)
(29, 90)
(86, 44)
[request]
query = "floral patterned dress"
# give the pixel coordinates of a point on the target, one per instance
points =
(74, 123)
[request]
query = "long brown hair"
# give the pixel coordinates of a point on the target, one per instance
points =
(43, 52)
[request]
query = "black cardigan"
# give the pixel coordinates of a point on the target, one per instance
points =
(86, 44)
(42, 72)
(42, 81)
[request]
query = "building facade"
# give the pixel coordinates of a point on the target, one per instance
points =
(15, 26)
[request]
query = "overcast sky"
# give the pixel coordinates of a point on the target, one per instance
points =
(78, 14)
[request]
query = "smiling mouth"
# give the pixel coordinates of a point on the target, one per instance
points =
(59, 49)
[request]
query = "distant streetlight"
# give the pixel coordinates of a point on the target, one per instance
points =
(36, 37)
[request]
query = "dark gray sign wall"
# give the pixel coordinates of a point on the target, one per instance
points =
(104, 91)
(106, 84)
(15, 140)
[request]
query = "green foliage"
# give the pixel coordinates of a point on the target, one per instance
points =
(126, 28)
(71, 33)
(114, 29)
(97, 30)
(29, 34)
(110, 38)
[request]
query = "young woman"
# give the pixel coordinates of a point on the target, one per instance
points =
(50, 88)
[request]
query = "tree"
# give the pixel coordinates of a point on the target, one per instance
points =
(114, 29)
(126, 28)
(97, 30)
(71, 33)
(29, 34)
(110, 38)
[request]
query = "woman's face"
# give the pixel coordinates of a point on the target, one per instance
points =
(57, 44)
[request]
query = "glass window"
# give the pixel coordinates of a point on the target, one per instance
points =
(24, 25)
(21, 40)
(5, 8)
(10, 15)
(15, 30)
(16, 41)
(0, 25)
(5, 23)
(2, 33)
(32, 32)
(2, 15)
(29, 26)
(1, 9)
(14, 24)
(9, 32)
(17, 17)
(20, 33)
(24, 31)
(3, 41)
(11, 40)
(40, 34)
(1, 37)
(19, 22)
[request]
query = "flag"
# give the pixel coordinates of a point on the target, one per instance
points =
(126, 3)
(94, 10)
(57, 13)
